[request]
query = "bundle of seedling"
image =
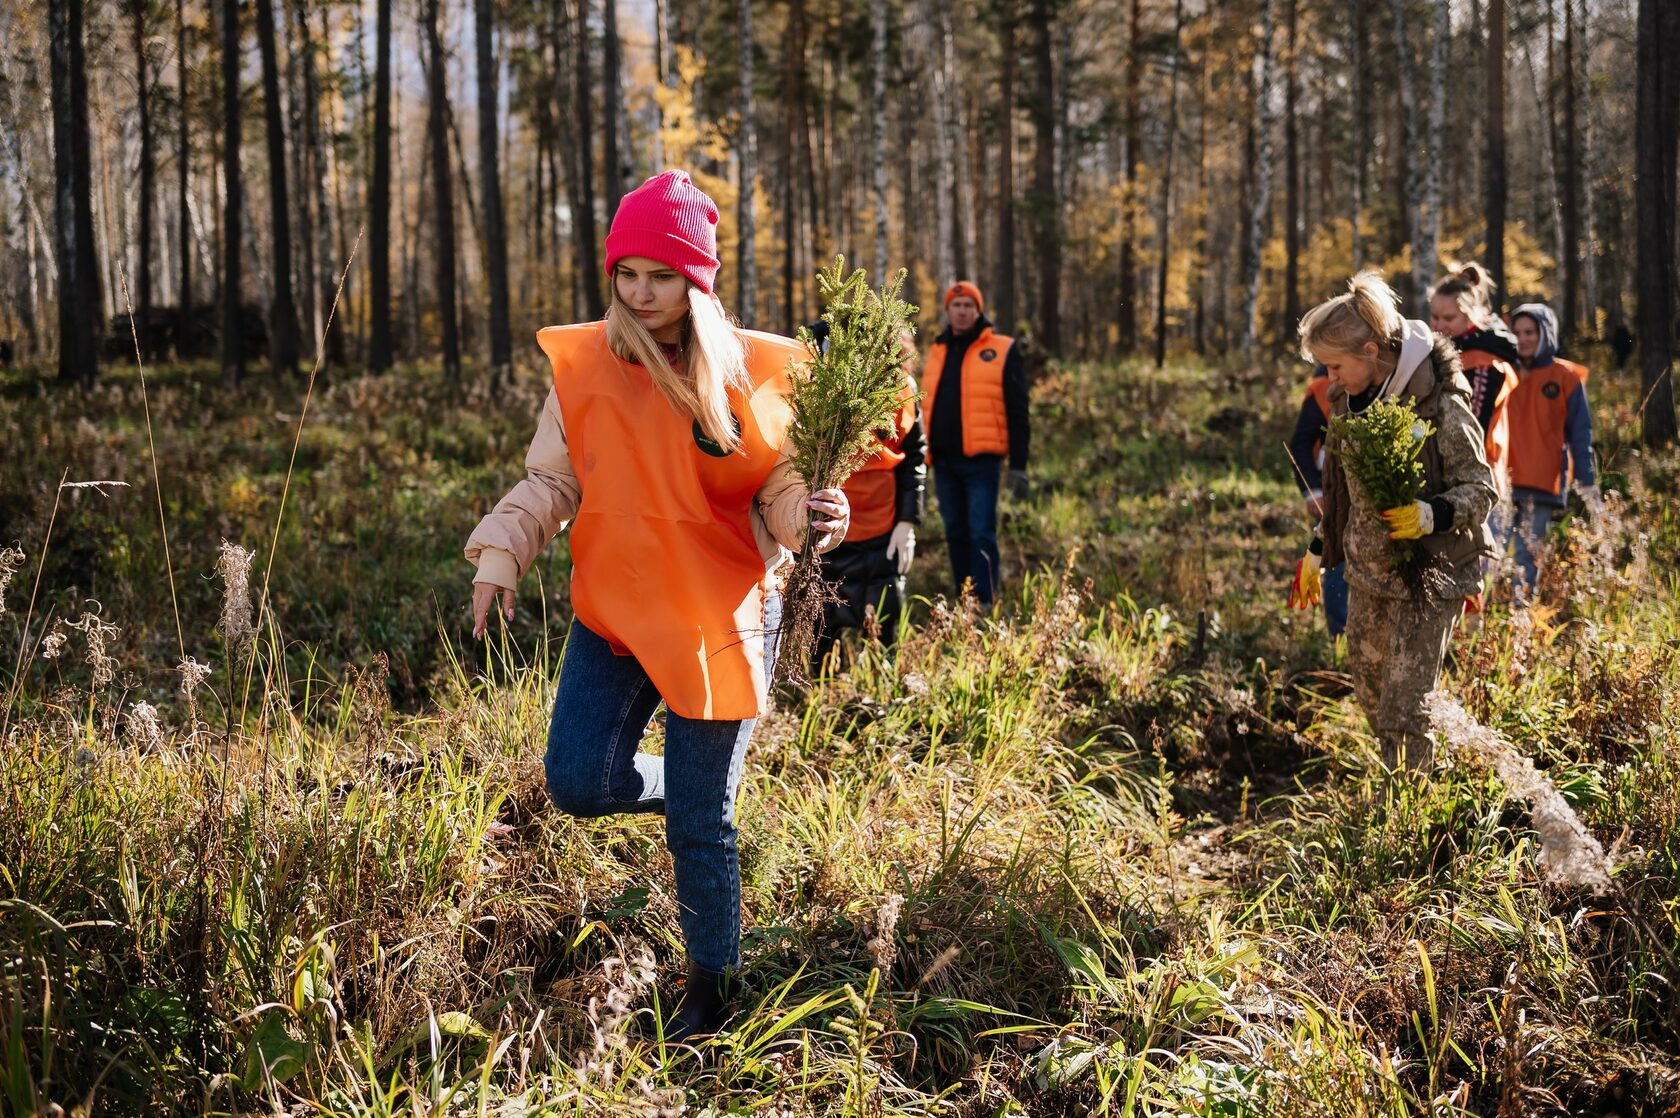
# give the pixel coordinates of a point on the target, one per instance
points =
(848, 390)
(1381, 449)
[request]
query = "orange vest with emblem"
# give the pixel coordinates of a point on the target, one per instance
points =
(665, 566)
(1538, 411)
(1574, 367)
(985, 425)
(1502, 380)
(873, 489)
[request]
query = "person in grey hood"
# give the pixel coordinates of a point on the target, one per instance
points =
(1397, 641)
(1551, 441)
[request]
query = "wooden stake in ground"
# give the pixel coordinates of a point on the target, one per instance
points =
(848, 390)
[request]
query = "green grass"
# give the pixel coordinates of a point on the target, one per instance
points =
(1121, 850)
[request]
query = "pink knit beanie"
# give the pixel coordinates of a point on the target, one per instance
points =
(670, 220)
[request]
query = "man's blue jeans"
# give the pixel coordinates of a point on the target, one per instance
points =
(1527, 523)
(601, 710)
(1335, 599)
(968, 501)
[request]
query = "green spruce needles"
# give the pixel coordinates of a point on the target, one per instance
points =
(1381, 449)
(848, 390)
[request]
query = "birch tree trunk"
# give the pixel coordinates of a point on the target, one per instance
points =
(932, 38)
(1004, 279)
(1569, 313)
(490, 174)
(1261, 200)
(443, 194)
(143, 110)
(1291, 173)
(1495, 183)
(1426, 250)
(878, 129)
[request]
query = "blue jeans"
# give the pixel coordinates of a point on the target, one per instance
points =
(1528, 522)
(601, 710)
(1336, 599)
(968, 501)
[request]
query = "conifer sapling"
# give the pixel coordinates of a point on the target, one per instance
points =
(846, 391)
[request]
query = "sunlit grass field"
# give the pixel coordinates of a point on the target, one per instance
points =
(1124, 848)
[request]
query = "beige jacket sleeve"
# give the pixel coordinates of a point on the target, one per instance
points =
(509, 539)
(782, 517)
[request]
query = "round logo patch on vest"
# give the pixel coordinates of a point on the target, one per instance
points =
(988, 355)
(708, 445)
(1551, 390)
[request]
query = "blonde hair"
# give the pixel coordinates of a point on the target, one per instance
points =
(1470, 286)
(714, 361)
(1369, 312)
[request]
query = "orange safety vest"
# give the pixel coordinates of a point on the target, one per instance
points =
(1573, 366)
(1504, 379)
(985, 425)
(1538, 411)
(873, 488)
(665, 566)
(1318, 389)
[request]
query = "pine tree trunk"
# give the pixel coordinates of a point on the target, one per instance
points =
(78, 268)
(1657, 118)
(490, 175)
(878, 130)
(1165, 231)
(1291, 175)
(443, 195)
(1127, 311)
(183, 171)
(282, 311)
(303, 210)
(613, 170)
(1495, 207)
(1046, 206)
(793, 125)
(587, 273)
(233, 352)
(746, 153)
(1569, 312)
(1359, 61)
(1262, 198)
(379, 200)
(1005, 277)
(143, 109)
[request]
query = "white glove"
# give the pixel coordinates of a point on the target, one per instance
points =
(831, 516)
(902, 545)
(1593, 498)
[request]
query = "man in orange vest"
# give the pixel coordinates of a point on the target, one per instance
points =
(868, 570)
(1551, 439)
(976, 393)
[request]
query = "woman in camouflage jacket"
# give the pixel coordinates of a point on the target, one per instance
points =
(1397, 641)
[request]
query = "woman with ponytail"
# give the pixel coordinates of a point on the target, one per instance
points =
(663, 444)
(1397, 641)
(1461, 308)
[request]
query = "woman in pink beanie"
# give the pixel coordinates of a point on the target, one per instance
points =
(663, 444)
